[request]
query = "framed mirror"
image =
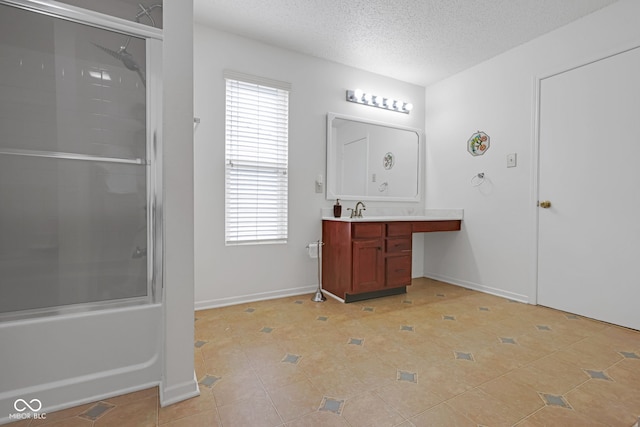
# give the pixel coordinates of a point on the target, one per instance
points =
(368, 160)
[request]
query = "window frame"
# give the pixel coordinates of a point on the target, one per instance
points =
(256, 160)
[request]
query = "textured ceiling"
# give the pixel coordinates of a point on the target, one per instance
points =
(418, 41)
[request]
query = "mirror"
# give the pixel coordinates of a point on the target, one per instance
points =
(369, 160)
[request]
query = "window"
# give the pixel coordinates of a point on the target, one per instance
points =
(257, 134)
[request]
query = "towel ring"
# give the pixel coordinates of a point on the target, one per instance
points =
(477, 179)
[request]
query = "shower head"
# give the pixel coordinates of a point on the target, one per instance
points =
(126, 58)
(122, 54)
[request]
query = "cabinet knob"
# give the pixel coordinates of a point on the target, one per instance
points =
(545, 204)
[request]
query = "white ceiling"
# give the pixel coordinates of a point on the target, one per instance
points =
(417, 41)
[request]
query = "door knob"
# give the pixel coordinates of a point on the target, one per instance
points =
(545, 204)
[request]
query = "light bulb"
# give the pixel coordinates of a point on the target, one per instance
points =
(408, 106)
(357, 94)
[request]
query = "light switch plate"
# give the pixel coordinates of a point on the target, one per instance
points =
(512, 160)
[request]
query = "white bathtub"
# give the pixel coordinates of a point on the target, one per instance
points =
(67, 360)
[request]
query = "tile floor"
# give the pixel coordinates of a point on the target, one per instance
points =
(439, 355)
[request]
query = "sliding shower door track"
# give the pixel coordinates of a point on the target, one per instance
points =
(70, 156)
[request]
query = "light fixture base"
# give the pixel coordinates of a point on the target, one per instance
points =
(359, 97)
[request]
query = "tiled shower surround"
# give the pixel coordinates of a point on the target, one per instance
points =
(439, 355)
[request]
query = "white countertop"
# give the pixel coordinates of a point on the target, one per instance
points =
(424, 215)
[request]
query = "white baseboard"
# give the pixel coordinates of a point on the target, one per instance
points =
(179, 392)
(241, 299)
(481, 288)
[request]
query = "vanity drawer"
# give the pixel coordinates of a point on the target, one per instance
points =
(367, 230)
(398, 271)
(398, 244)
(399, 229)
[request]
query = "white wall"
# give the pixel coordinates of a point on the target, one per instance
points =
(178, 380)
(231, 274)
(495, 249)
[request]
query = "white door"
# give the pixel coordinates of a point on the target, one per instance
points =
(354, 170)
(589, 169)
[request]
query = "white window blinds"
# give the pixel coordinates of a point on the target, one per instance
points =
(257, 133)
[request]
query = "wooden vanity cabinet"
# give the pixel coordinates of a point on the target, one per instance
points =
(362, 260)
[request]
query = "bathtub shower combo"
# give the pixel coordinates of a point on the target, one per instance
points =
(80, 204)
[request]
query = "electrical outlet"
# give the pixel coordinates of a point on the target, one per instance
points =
(512, 160)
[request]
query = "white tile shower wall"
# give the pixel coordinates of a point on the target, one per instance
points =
(89, 121)
(494, 250)
(229, 274)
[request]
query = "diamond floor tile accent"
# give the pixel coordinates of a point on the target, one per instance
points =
(507, 340)
(368, 309)
(483, 308)
(464, 356)
(572, 317)
(200, 343)
(298, 302)
(629, 355)
(407, 301)
(96, 411)
(356, 341)
(410, 377)
(406, 328)
(266, 330)
(250, 310)
(441, 295)
(330, 404)
(322, 318)
(598, 375)
(553, 400)
(543, 328)
(209, 381)
(291, 358)
(445, 317)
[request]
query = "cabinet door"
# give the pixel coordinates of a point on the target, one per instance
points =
(368, 265)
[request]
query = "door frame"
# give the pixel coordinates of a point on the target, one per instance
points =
(535, 147)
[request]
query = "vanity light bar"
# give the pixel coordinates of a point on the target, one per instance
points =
(359, 97)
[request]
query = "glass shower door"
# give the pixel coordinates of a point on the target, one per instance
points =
(76, 177)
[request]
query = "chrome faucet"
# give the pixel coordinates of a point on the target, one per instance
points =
(357, 213)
